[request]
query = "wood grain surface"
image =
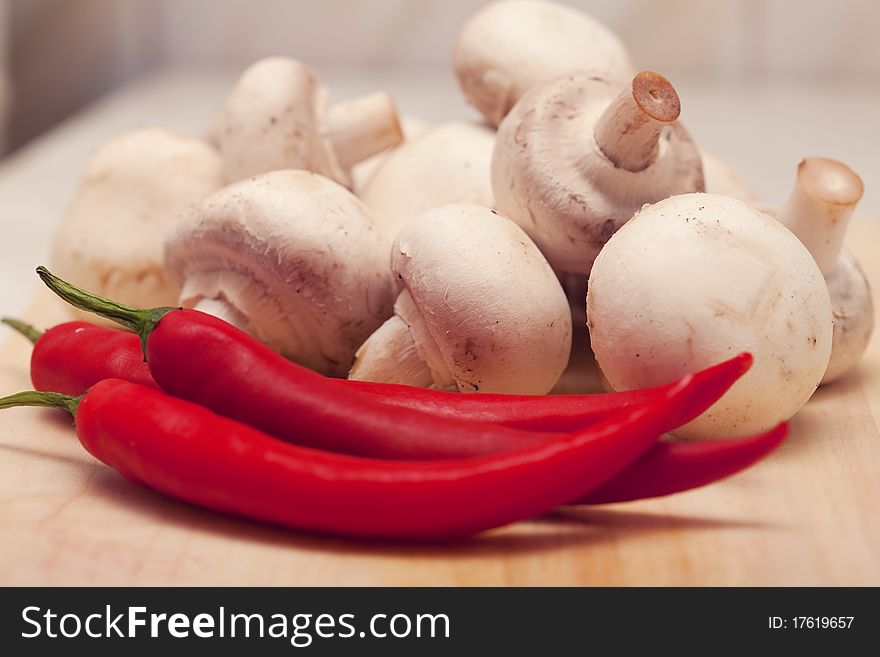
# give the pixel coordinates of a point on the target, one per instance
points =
(809, 515)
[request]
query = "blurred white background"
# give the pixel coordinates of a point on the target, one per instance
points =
(60, 54)
(763, 82)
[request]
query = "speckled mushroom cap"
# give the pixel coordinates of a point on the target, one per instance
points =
(695, 279)
(551, 177)
(497, 317)
(131, 193)
(508, 47)
(294, 253)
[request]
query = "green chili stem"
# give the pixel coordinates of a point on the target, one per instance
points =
(24, 328)
(141, 321)
(45, 399)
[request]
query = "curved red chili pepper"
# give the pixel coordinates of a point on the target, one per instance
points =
(201, 358)
(561, 413)
(190, 453)
(76, 359)
(72, 357)
(104, 353)
(669, 468)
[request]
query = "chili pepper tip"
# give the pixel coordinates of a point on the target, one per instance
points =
(745, 360)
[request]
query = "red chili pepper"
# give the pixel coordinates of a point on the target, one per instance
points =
(198, 357)
(72, 357)
(667, 468)
(675, 467)
(188, 452)
(560, 413)
(73, 360)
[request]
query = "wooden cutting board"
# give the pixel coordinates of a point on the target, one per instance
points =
(809, 515)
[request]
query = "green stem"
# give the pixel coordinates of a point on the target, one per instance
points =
(141, 321)
(46, 399)
(24, 328)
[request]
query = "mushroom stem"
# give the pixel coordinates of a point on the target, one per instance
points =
(222, 309)
(390, 356)
(820, 206)
(628, 132)
(363, 127)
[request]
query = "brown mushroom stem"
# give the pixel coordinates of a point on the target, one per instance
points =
(628, 132)
(390, 356)
(223, 309)
(820, 206)
(363, 127)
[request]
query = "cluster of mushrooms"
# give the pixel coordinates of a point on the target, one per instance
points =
(467, 255)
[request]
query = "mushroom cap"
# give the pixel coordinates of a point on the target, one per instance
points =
(695, 279)
(723, 179)
(296, 254)
(508, 47)
(853, 308)
(272, 120)
(550, 176)
(448, 164)
(362, 173)
(132, 191)
(496, 312)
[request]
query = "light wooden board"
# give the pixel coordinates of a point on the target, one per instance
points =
(809, 515)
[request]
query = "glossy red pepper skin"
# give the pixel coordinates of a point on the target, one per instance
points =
(559, 413)
(205, 360)
(669, 468)
(188, 452)
(257, 386)
(72, 357)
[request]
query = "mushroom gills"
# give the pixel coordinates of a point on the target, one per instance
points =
(402, 351)
(292, 258)
(221, 308)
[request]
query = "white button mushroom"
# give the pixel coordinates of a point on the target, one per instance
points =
(131, 193)
(291, 257)
(571, 165)
(449, 164)
(363, 171)
(695, 279)
(508, 47)
(723, 179)
(818, 211)
(277, 118)
(480, 310)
